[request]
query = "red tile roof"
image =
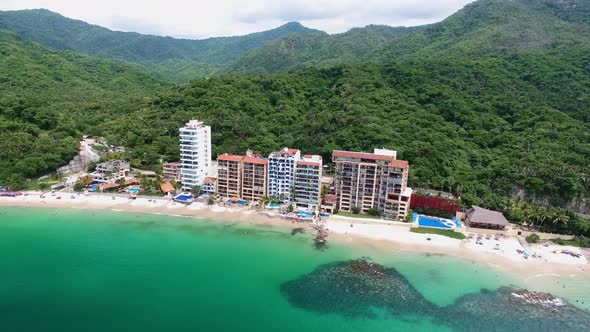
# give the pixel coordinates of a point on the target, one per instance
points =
(253, 160)
(292, 151)
(209, 180)
(399, 164)
(167, 187)
(361, 155)
(308, 163)
(230, 157)
(107, 186)
(132, 181)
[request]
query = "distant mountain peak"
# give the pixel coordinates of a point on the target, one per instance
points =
(295, 27)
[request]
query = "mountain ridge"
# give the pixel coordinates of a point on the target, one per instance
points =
(480, 28)
(44, 94)
(196, 58)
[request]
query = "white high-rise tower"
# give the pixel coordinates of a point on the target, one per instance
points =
(195, 154)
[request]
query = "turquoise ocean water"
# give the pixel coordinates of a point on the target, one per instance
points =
(74, 270)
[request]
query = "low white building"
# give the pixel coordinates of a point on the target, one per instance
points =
(209, 186)
(110, 171)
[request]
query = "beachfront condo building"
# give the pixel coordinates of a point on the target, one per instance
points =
(242, 176)
(281, 173)
(254, 177)
(308, 182)
(375, 180)
(172, 171)
(394, 195)
(195, 154)
(229, 175)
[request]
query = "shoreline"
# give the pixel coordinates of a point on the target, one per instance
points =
(383, 237)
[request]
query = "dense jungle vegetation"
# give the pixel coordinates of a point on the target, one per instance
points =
(492, 103)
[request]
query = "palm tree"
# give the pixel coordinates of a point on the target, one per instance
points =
(264, 200)
(559, 217)
(144, 182)
(529, 214)
(542, 215)
(196, 190)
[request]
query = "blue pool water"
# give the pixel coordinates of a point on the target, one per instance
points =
(240, 202)
(183, 198)
(134, 190)
(274, 205)
(426, 221)
(304, 214)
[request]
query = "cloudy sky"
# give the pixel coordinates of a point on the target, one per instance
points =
(200, 19)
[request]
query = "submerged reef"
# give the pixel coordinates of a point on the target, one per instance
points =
(354, 288)
(509, 309)
(358, 287)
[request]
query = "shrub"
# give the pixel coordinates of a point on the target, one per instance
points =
(444, 232)
(533, 238)
(409, 216)
(78, 186)
(374, 212)
(356, 210)
(434, 212)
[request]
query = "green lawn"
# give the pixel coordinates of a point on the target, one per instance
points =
(573, 243)
(443, 232)
(35, 184)
(360, 215)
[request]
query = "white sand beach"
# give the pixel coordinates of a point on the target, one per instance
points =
(382, 235)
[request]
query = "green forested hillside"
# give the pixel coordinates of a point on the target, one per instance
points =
(498, 26)
(492, 102)
(481, 28)
(47, 99)
(298, 51)
(176, 59)
(485, 128)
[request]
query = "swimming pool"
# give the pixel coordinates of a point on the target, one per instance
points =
(134, 190)
(274, 205)
(304, 214)
(432, 222)
(184, 198)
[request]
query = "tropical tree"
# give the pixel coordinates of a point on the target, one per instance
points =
(144, 182)
(196, 190)
(264, 200)
(43, 186)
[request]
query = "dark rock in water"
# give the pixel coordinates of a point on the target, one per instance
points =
(298, 230)
(354, 288)
(508, 309)
(357, 287)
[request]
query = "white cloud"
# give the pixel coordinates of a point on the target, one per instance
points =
(200, 19)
